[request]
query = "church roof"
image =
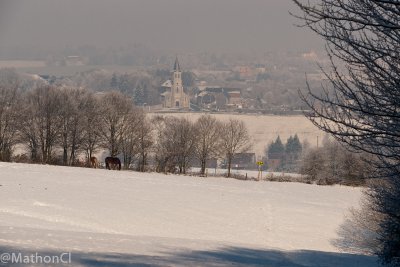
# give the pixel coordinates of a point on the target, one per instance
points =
(167, 83)
(176, 65)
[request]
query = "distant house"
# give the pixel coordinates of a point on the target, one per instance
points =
(211, 97)
(235, 98)
(242, 161)
(260, 68)
(211, 163)
(274, 160)
(245, 72)
(206, 98)
(220, 98)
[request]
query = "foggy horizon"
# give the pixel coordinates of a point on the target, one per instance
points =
(173, 26)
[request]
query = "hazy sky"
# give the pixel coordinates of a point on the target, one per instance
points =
(172, 25)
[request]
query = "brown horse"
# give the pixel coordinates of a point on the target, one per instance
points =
(94, 163)
(112, 162)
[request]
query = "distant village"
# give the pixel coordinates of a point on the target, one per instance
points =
(205, 98)
(210, 84)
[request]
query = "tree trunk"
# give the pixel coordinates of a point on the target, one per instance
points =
(203, 167)
(143, 162)
(229, 165)
(65, 155)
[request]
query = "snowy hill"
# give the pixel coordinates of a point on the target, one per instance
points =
(120, 218)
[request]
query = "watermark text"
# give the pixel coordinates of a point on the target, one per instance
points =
(34, 258)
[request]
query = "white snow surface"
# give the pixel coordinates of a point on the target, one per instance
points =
(124, 218)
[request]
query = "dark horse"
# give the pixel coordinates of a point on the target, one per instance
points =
(112, 162)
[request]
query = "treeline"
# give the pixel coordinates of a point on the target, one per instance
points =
(58, 124)
(140, 85)
(143, 86)
(331, 163)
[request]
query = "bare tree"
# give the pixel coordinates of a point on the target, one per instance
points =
(145, 140)
(9, 98)
(91, 125)
(175, 144)
(181, 134)
(130, 137)
(361, 105)
(334, 164)
(234, 139)
(160, 149)
(208, 135)
(29, 129)
(359, 232)
(72, 102)
(115, 113)
(313, 165)
(40, 126)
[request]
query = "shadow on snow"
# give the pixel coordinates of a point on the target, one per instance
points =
(227, 256)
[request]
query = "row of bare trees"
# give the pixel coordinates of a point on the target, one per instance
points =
(180, 142)
(72, 120)
(332, 163)
(56, 125)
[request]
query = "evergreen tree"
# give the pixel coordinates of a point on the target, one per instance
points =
(276, 149)
(297, 147)
(293, 147)
(188, 78)
(139, 97)
(124, 84)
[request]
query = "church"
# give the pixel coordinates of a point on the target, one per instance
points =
(174, 96)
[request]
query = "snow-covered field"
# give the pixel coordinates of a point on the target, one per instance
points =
(119, 218)
(251, 174)
(264, 129)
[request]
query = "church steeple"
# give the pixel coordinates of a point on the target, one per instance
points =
(176, 65)
(176, 97)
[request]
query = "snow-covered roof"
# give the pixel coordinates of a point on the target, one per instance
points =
(203, 93)
(167, 84)
(234, 92)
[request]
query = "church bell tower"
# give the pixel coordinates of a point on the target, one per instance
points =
(178, 97)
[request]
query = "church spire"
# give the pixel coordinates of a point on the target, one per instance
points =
(176, 65)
